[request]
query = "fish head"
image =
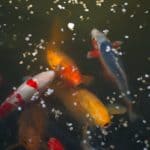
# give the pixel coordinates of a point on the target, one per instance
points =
(65, 67)
(97, 38)
(44, 78)
(101, 116)
(54, 59)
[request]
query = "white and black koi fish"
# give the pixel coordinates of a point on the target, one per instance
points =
(110, 62)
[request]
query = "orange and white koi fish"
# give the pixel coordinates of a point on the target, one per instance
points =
(24, 92)
(66, 68)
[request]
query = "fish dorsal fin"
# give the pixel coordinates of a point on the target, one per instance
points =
(117, 44)
(87, 79)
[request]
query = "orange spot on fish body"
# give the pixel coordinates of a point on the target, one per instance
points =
(55, 144)
(65, 67)
(71, 75)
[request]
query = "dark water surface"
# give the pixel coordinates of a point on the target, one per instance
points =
(25, 25)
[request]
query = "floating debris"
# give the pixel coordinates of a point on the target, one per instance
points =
(71, 26)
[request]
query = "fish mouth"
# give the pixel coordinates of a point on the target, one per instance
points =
(106, 125)
(94, 34)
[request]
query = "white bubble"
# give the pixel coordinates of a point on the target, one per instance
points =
(27, 39)
(106, 31)
(126, 36)
(132, 15)
(69, 124)
(126, 3)
(60, 6)
(148, 87)
(146, 11)
(21, 62)
(19, 108)
(43, 105)
(71, 128)
(124, 10)
(29, 7)
(144, 121)
(108, 48)
(146, 76)
(71, 26)
(42, 102)
(88, 132)
(140, 27)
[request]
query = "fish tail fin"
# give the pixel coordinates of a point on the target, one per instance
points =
(133, 116)
(85, 145)
(87, 79)
(116, 109)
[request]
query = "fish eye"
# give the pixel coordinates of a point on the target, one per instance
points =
(106, 125)
(93, 39)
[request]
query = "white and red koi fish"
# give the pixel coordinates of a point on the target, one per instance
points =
(24, 92)
(112, 70)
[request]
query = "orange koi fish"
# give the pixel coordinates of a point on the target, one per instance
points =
(83, 105)
(66, 68)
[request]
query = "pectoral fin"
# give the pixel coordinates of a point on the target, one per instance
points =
(87, 79)
(116, 109)
(93, 54)
(117, 44)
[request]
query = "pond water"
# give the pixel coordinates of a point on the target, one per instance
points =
(29, 27)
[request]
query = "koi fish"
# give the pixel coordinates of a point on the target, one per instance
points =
(83, 105)
(66, 68)
(32, 131)
(37, 83)
(62, 64)
(111, 66)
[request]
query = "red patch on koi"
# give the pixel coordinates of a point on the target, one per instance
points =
(94, 43)
(20, 99)
(55, 144)
(5, 108)
(94, 54)
(32, 83)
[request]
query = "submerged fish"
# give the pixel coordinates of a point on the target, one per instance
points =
(111, 65)
(66, 68)
(25, 91)
(32, 128)
(83, 105)
(33, 132)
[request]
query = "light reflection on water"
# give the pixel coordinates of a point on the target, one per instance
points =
(25, 31)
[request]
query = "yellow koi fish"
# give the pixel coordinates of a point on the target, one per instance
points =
(83, 105)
